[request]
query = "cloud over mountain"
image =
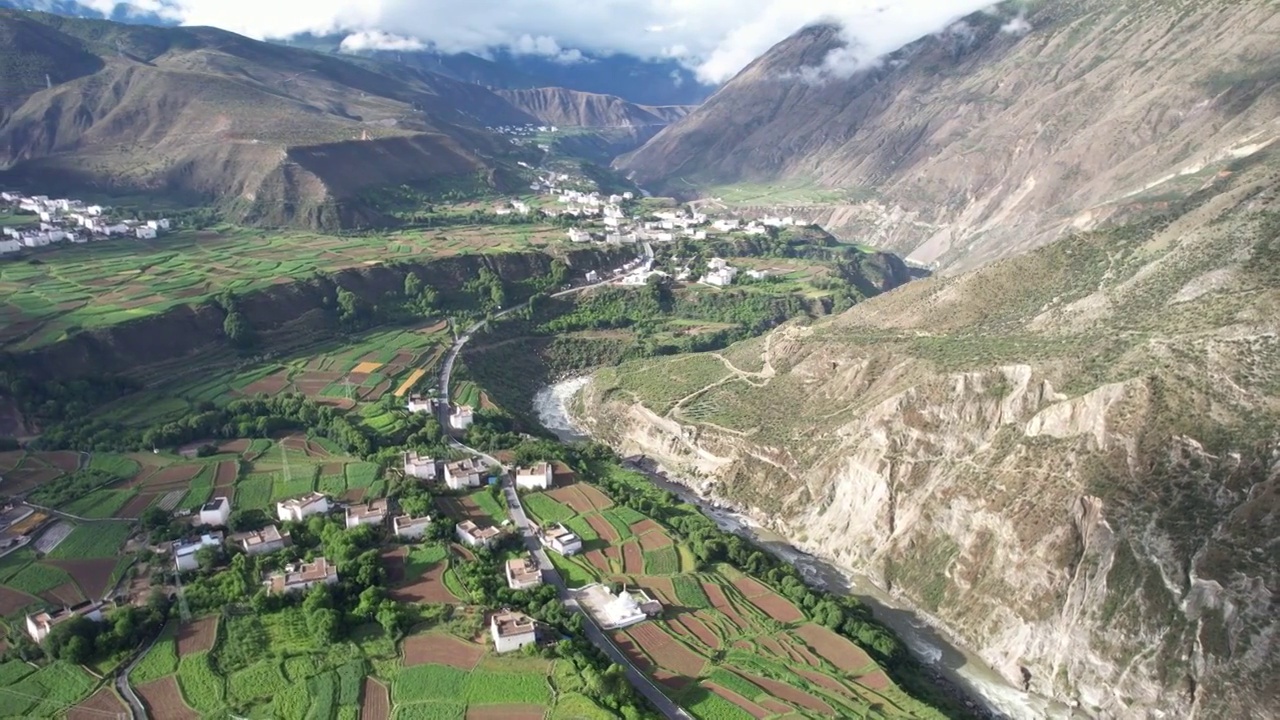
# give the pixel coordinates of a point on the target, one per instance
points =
(717, 38)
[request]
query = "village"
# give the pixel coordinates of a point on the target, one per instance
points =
(63, 220)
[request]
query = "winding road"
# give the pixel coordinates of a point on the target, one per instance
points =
(640, 681)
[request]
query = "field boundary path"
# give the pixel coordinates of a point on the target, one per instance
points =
(641, 682)
(59, 513)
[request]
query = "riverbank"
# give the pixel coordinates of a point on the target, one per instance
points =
(955, 668)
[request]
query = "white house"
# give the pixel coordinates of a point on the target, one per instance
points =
(579, 236)
(512, 630)
(471, 534)
(93, 210)
(411, 528)
(34, 240)
(720, 278)
(725, 225)
(461, 417)
(463, 474)
(371, 513)
(561, 540)
(216, 512)
(9, 246)
(261, 542)
(161, 224)
(419, 466)
(537, 477)
(421, 403)
(184, 553)
(302, 576)
(523, 573)
(40, 624)
(299, 508)
(146, 233)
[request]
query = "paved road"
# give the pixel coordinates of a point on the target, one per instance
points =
(136, 709)
(640, 681)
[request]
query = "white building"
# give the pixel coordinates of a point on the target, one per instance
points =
(302, 576)
(145, 233)
(725, 225)
(537, 477)
(411, 528)
(299, 508)
(720, 278)
(613, 612)
(184, 554)
(161, 224)
(419, 466)
(9, 246)
(579, 236)
(523, 573)
(512, 630)
(461, 417)
(370, 513)
(561, 540)
(471, 534)
(40, 624)
(421, 403)
(261, 542)
(216, 512)
(463, 474)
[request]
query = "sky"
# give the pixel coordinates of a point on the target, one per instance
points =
(714, 38)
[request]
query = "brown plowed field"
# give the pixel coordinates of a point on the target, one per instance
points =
(225, 476)
(633, 559)
(93, 576)
(65, 594)
(102, 704)
(755, 710)
(793, 695)
(354, 495)
(798, 649)
(197, 636)
(12, 601)
(676, 683)
(778, 608)
(750, 588)
(174, 477)
(428, 587)
(441, 650)
(9, 459)
(660, 587)
(666, 652)
(333, 468)
(377, 701)
(701, 631)
(272, 384)
(24, 479)
(631, 649)
(775, 707)
(655, 539)
(65, 460)
(602, 528)
(136, 505)
(234, 446)
(571, 497)
(598, 561)
(773, 646)
(826, 682)
(164, 700)
(675, 628)
(598, 500)
(506, 712)
(393, 561)
(877, 681)
(645, 526)
(840, 652)
(463, 508)
(721, 603)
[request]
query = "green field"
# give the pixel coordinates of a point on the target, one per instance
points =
(43, 693)
(93, 540)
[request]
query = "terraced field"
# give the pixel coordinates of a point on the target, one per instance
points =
(726, 645)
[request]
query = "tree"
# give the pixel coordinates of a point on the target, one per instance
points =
(412, 285)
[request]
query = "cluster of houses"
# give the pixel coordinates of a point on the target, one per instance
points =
(63, 220)
(460, 417)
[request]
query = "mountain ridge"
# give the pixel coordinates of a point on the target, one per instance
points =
(971, 144)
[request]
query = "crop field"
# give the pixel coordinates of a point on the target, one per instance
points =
(88, 286)
(419, 575)
(44, 693)
(92, 540)
(727, 645)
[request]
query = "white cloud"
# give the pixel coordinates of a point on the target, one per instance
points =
(717, 38)
(1016, 26)
(378, 40)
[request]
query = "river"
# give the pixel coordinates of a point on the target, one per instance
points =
(926, 642)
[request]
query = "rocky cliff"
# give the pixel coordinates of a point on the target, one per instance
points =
(995, 135)
(1069, 458)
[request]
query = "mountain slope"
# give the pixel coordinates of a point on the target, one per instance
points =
(984, 140)
(1070, 457)
(569, 108)
(276, 135)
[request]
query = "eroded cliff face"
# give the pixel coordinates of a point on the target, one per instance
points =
(982, 498)
(1070, 459)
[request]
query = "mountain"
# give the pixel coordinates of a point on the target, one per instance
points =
(560, 106)
(273, 134)
(994, 136)
(1069, 457)
(646, 82)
